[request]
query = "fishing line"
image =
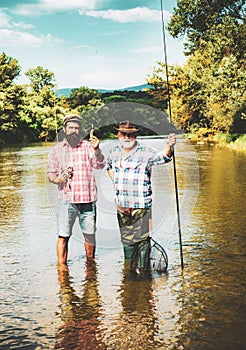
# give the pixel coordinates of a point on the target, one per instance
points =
(171, 122)
(58, 67)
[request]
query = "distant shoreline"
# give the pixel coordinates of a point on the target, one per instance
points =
(230, 141)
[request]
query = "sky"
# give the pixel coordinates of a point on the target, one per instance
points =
(101, 44)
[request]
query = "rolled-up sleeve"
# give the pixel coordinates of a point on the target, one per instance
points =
(53, 165)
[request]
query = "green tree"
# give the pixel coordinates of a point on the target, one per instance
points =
(9, 70)
(82, 96)
(202, 20)
(207, 93)
(115, 98)
(11, 100)
(40, 78)
(41, 113)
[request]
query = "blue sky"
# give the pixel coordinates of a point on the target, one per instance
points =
(95, 43)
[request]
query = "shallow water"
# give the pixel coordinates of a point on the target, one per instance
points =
(101, 306)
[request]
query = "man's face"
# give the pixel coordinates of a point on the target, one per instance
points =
(127, 140)
(73, 133)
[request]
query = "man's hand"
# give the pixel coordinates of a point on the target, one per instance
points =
(171, 141)
(95, 143)
(60, 179)
(94, 140)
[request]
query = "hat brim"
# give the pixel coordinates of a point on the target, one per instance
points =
(129, 131)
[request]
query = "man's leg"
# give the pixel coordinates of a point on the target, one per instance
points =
(128, 251)
(62, 250)
(87, 220)
(89, 246)
(66, 216)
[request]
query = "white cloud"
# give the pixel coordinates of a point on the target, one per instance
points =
(108, 79)
(4, 20)
(137, 14)
(147, 49)
(11, 38)
(49, 6)
(23, 25)
(68, 5)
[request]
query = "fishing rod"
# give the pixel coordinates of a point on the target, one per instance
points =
(170, 118)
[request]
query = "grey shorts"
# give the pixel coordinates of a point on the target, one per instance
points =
(68, 212)
(135, 226)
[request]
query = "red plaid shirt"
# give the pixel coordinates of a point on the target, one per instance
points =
(81, 188)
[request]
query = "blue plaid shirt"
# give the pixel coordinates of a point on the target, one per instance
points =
(132, 175)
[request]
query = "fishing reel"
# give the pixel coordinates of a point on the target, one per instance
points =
(70, 172)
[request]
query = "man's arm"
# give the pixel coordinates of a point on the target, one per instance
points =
(94, 141)
(111, 174)
(99, 156)
(171, 141)
(58, 179)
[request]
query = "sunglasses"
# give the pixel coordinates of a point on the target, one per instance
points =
(128, 134)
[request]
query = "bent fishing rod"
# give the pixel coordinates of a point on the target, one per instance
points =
(171, 122)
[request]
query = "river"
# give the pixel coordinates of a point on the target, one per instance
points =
(100, 306)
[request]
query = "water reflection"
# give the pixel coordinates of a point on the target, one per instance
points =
(203, 309)
(213, 288)
(136, 325)
(80, 315)
(10, 177)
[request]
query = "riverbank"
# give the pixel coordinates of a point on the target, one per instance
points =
(231, 141)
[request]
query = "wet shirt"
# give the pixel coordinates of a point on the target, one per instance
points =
(81, 187)
(132, 174)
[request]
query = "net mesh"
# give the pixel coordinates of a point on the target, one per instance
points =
(149, 256)
(158, 258)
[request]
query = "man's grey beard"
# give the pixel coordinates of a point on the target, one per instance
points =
(127, 143)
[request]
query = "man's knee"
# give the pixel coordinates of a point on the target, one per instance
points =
(90, 239)
(63, 240)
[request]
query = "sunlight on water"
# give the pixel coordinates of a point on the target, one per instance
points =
(101, 306)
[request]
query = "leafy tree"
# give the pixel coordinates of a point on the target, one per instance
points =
(115, 98)
(204, 95)
(11, 99)
(82, 95)
(41, 113)
(40, 78)
(202, 20)
(9, 70)
(142, 96)
(208, 92)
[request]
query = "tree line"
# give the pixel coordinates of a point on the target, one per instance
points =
(207, 93)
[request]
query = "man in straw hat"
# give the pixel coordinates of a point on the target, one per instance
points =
(70, 167)
(129, 166)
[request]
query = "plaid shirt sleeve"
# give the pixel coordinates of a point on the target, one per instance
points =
(53, 162)
(157, 158)
(94, 162)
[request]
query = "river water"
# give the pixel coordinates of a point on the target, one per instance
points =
(100, 306)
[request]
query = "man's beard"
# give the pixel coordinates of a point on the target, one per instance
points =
(127, 143)
(73, 139)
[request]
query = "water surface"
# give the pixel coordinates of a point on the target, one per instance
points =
(100, 306)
